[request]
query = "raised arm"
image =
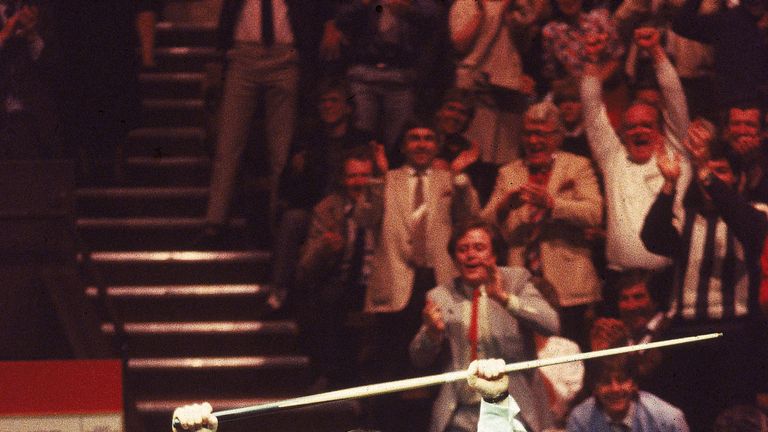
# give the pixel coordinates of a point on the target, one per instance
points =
(692, 25)
(602, 139)
(675, 108)
(659, 234)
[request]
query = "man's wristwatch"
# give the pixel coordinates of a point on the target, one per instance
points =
(496, 399)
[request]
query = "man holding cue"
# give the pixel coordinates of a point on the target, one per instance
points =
(486, 377)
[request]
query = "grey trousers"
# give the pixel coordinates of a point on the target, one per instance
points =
(253, 71)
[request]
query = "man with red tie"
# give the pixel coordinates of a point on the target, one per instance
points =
(487, 312)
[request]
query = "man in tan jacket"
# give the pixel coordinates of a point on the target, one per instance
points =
(543, 204)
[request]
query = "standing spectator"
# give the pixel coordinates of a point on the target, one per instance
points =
(617, 404)
(28, 111)
(579, 37)
(459, 153)
(334, 270)
(742, 131)
(565, 95)
(544, 203)
(626, 159)
(740, 47)
(312, 173)
(716, 249)
(265, 41)
(146, 22)
(483, 33)
(386, 43)
(488, 311)
(421, 204)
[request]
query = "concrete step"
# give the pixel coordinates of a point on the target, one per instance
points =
(185, 59)
(184, 302)
(159, 233)
(168, 171)
(124, 202)
(330, 417)
(161, 142)
(170, 377)
(171, 84)
(208, 338)
(170, 34)
(181, 267)
(173, 112)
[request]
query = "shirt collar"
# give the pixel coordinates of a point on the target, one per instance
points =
(413, 171)
(628, 419)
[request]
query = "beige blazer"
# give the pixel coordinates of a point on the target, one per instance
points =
(392, 276)
(565, 251)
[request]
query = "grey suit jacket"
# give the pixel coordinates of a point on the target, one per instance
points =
(319, 266)
(511, 339)
(392, 276)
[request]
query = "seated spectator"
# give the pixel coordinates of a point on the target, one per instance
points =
(617, 404)
(543, 204)
(741, 418)
(312, 173)
(578, 37)
(334, 269)
(459, 153)
(640, 321)
(488, 311)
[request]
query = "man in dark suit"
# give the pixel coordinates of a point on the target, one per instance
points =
(334, 268)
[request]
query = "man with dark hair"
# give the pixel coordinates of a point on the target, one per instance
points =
(315, 170)
(715, 250)
(743, 131)
(488, 311)
(334, 269)
(421, 204)
(460, 154)
(617, 405)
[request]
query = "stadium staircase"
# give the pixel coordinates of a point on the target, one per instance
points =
(191, 325)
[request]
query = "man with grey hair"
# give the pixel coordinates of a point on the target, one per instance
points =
(543, 204)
